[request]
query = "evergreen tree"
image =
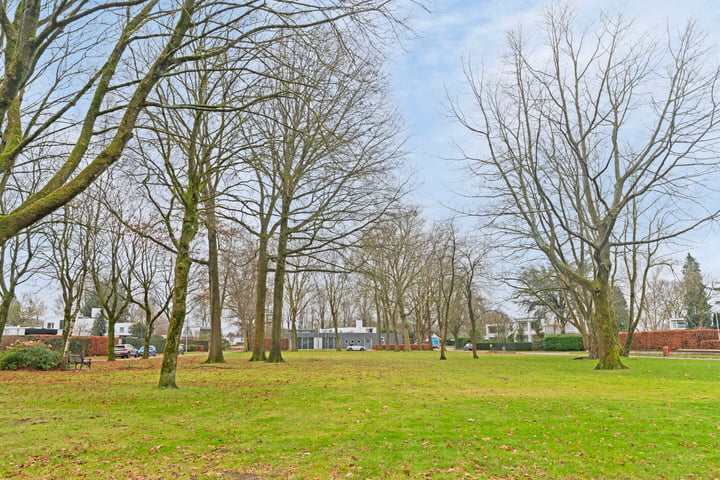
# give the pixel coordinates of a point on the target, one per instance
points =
(99, 327)
(622, 314)
(138, 330)
(695, 296)
(91, 301)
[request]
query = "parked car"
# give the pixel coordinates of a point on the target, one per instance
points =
(468, 346)
(141, 350)
(125, 350)
(355, 348)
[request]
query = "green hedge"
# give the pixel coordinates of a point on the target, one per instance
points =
(563, 343)
(508, 347)
(80, 345)
(157, 342)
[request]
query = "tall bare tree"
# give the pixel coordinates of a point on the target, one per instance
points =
(69, 260)
(472, 258)
(584, 126)
(322, 155)
(113, 257)
(448, 262)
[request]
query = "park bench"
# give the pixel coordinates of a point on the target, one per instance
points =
(78, 359)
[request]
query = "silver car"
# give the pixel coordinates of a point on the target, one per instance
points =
(125, 350)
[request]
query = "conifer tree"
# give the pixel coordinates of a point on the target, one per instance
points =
(695, 297)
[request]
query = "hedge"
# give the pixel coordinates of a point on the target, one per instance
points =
(710, 345)
(157, 342)
(88, 346)
(508, 347)
(563, 343)
(675, 339)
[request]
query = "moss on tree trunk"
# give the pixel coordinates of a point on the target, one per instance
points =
(608, 341)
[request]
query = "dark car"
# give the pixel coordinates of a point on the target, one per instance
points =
(141, 350)
(125, 350)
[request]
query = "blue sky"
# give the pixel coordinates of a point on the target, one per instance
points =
(430, 70)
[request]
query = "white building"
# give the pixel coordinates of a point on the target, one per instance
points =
(358, 328)
(523, 326)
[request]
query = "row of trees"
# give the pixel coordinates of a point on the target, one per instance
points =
(401, 275)
(269, 116)
(253, 145)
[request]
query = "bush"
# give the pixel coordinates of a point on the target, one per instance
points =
(563, 343)
(675, 339)
(29, 355)
(507, 347)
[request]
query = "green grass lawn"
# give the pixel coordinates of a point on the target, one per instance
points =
(365, 415)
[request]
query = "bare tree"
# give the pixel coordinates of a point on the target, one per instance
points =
(395, 254)
(322, 155)
(472, 255)
(447, 273)
(663, 300)
(299, 294)
(239, 264)
(113, 257)
(18, 263)
(579, 131)
(69, 259)
(151, 289)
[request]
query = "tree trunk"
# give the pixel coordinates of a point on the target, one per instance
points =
(183, 262)
(215, 350)
(405, 327)
(258, 351)
(275, 355)
(395, 331)
(293, 330)
(7, 299)
(334, 315)
(68, 326)
(111, 338)
(443, 336)
(148, 336)
(606, 326)
(473, 322)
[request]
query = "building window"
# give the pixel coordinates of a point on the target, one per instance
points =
(51, 325)
(305, 343)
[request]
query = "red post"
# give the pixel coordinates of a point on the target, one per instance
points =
(666, 351)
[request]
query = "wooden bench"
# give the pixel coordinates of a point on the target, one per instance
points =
(78, 359)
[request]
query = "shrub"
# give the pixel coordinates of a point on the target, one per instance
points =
(29, 355)
(675, 339)
(508, 347)
(563, 343)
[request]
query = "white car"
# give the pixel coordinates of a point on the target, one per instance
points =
(355, 348)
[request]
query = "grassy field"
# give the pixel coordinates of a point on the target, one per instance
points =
(365, 415)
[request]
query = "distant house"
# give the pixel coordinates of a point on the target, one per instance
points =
(674, 324)
(83, 326)
(324, 339)
(523, 327)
